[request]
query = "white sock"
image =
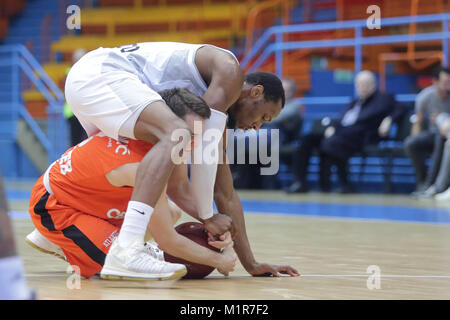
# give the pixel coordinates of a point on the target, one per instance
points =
(135, 222)
(12, 280)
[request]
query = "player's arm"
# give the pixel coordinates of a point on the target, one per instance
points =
(170, 241)
(225, 77)
(228, 202)
(221, 70)
(180, 191)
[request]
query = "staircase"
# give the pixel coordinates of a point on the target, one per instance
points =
(31, 145)
(27, 148)
(24, 141)
(28, 28)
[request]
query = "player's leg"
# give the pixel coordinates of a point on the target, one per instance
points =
(120, 105)
(155, 120)
(41, 220)
(38, 241)
(12, 279)
(86, 241)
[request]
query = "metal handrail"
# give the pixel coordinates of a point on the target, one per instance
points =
(23, 60)
(347, 99)
(264, 42)
(411, 48)
(255, 11)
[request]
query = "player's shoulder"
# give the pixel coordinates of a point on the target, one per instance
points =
(218, 54)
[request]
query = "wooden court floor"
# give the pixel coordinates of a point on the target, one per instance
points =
(337, 258)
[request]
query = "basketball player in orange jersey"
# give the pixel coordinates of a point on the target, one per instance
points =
(79, 204)
(114, 90)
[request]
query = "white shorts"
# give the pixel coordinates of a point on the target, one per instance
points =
(106, 94)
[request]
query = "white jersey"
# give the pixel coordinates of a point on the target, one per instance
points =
(108, 88)
(160, 65)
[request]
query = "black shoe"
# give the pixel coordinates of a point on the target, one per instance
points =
(297, 187)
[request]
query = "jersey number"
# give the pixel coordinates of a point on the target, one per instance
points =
(129, 47)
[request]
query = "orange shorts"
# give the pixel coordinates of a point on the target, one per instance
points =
(84, 239)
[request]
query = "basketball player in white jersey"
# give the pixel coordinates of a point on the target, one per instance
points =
(114, 90)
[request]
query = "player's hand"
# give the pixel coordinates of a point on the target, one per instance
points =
(221, 241)
(218, 224)
(228, 262)
(267, 270)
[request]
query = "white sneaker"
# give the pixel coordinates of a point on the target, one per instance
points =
(36, 240)
(443, 196)
(136, 263)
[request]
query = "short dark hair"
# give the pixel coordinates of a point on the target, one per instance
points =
(181, 101)
(273, 88)
(437, 71)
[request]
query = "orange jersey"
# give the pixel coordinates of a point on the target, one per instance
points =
(78, 180)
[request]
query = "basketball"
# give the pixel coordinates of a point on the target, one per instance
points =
(196, 232)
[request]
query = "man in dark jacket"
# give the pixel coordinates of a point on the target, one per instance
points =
(364, 121)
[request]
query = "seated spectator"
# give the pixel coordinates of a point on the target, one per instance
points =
(290, 119)
(425, 139)
(440, 188)
(289, 123)
(245, 173)
(361, 123)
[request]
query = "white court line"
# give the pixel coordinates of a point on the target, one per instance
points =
(367, 275)
(48, 275)
(425, 276)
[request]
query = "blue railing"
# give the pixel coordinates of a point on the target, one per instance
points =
(271, 42)
(347, 99)
(264, 42)
(22, 62)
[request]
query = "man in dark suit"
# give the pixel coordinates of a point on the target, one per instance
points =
(364, 121)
